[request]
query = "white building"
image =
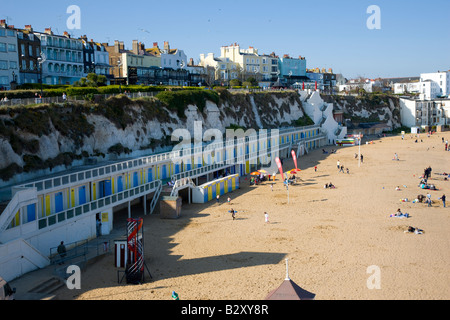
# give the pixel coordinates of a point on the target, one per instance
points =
(225, 69)
(173, 58)
(9, 58)
(422, 113)
(367, 85)
(435, 84)
(64, 62)
(407, 87)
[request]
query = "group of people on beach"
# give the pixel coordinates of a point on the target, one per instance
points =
(341, 168)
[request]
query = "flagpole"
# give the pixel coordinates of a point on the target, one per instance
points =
(359, 138)
(287, 271)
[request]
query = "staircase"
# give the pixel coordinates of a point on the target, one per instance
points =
(181, 184)
(21, 198)
(156, 196)
(44, 290)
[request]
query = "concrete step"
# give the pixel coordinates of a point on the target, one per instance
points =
(48, 286)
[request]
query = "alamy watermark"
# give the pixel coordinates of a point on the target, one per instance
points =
(374, 280)
(236, 147)
(74, 20)
(74, 280)
(374, 20)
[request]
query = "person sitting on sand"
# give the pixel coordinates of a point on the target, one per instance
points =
(398, 188)
(399, 214)
(325, 186)
(414, 230)
(331, 186)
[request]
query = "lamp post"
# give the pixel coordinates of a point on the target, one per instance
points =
(40, 61)
(119, 64)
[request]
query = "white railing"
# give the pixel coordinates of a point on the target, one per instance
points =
(99, 204)
(181, 184)
(21, 198)
(80, 177)
(56, 183)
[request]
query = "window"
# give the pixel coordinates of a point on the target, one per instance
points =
(20, 35)
(2, 32)
(4, 80)
(3, 65)
(2, 47)
(30, 50)
(13, 65)
(10, 33)
(24, 65)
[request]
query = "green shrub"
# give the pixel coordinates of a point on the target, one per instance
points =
(179, 100)
(118, 149)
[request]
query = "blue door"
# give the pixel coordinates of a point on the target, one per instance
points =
(82, 195)
(164, 172)
(59, 202)
(31, 212)
(135, 179)
(101, 189)
(119, 184)
(150, 175)
(108, 188)
(177, 168)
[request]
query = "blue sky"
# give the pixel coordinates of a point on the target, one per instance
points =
(414, 35)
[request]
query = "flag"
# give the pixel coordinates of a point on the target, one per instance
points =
(294, 157)
(280, 168)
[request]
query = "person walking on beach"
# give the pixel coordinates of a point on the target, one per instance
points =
(233, 214)
(443, 199)
(217, 199)
(229, 200)
(338, 164)
(315, 168)
(362, 158)
(341, 169)
(266, 217)
(429, 199)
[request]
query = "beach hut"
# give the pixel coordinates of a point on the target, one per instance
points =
(289, 290)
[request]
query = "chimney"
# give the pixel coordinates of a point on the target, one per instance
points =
(66, 34)
(166, 46)
(155, 44)
(135, 47)
(48, 31)
(121, 45)
(3, 23)
(28, 27)
(191, 62)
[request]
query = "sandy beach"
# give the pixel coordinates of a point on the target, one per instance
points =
(330, 236)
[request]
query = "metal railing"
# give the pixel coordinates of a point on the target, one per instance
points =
(53, 183)
(98, 205)
(60, 99)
